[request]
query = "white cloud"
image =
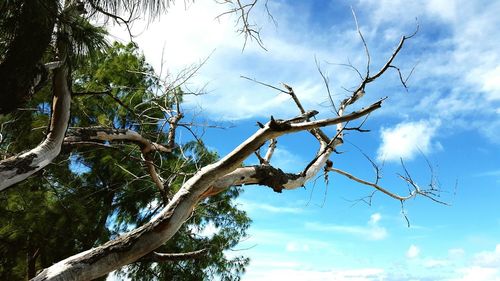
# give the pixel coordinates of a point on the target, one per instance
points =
(406, 139)
(363, 274)
(484, 266)
(491, 83)
(372, 231)
(457, 72)
(182, 36)
(413, 252)
(445, 9)
(375, 218)
(475, 273)
(488, 258)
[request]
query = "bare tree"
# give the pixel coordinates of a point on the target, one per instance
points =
(208, 180)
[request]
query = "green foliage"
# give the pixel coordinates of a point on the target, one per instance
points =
(91, 194)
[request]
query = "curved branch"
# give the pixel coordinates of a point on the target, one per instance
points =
(414, 193)
(19, 167)
(376, 186)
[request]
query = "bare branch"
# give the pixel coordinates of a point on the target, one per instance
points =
(368, 58)
(171, 257)
(392, 57)
(270, 151)
(243, 10)
(327, 85)
(264, 84)
(109, 134)
(376, 186)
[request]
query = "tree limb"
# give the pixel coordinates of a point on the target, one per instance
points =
(109, 134)
(170, 257)
(77, 135)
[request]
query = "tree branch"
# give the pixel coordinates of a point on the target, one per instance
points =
(170, 257)
(109, 134)
(77, 135)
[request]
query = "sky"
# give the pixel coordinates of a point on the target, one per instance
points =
(449, 117)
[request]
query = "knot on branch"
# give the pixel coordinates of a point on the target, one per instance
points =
(275, 178)
(328, 165)
(282, 125)
(278, 124)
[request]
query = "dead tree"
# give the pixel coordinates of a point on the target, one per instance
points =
(207, 181)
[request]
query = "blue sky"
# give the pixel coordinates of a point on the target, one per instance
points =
(450, 114)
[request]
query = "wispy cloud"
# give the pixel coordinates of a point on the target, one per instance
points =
(294, 246)
(251, 206)
(493, 173)
(362, 274)
(287, 160)
(282, 238)
(435, 263)
(455, 253)
(483, 265)
(371, 231)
